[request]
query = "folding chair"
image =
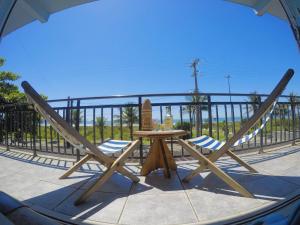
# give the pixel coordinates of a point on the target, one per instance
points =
(218, 148)
(101, 154)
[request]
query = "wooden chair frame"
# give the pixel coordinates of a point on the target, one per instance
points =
(208, 162)
(81, 143)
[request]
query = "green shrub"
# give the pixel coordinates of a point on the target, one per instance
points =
(184, 126)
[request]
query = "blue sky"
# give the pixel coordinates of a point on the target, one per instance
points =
(131, 46)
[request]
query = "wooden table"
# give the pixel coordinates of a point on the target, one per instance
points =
(159, 155)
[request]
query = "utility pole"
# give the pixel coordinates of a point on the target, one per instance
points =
(194, 66)
(229, 89)
(232, 107)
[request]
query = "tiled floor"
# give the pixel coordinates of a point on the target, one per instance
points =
(154, 200)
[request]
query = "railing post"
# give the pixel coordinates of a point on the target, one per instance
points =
(140, 127)
(1, 127)
(232, 116)
(77, 126)
(102, 127)
(34, 132)
(226, 129)
(297, 118)
(68, 118)
(112, 122)
(197, 111)
(209, 116)
(6, 129)
(261, 150)
(293, 120)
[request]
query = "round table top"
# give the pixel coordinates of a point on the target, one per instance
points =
(160, 133)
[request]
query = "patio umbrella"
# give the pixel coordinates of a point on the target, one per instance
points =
(284, 9)
(17, 13)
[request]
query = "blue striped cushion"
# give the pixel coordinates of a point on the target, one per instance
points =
(207, 142)
(214, 145)
(113, 146)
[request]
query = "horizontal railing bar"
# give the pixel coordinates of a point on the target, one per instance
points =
(160, 95)
(136, 105)
(156, 105)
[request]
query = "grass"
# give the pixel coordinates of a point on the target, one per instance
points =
(94, 134)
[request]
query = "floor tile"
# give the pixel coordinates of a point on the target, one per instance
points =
(158, 209)
(156, 183)
(45, 194)
(117, 183)
(209, 205)
(101, 206)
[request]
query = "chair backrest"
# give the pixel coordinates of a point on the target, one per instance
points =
(248, 137)
(207, 142)
(60, 125)
(257, 115)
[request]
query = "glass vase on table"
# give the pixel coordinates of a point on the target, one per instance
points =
(168, 122)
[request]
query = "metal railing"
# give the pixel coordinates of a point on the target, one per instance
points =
(117, 117)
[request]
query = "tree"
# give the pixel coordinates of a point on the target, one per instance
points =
(184, 126)
(76, 117)
(254, 100)
(101, 121)
(293, 98)
(130, 115)
(9, 92)
(195, 100)
(225, 129)
(294, 101)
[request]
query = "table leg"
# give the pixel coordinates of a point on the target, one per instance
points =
(159, 156)
(170, 159)
(165, 160)
(152, 161)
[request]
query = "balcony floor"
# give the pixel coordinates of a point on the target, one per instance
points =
(155, 200)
